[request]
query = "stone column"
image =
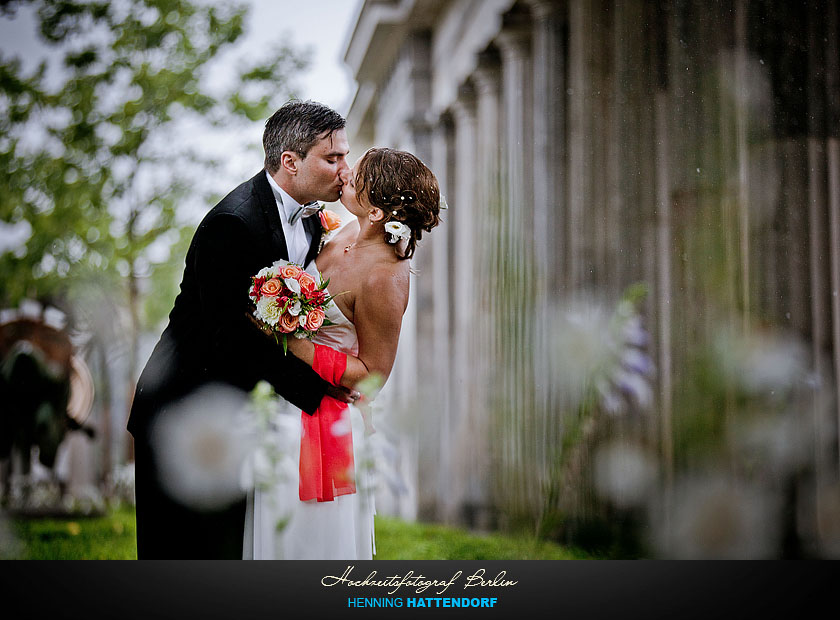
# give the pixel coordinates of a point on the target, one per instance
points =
(436, 430)
(549, 139)
(516, 248)
(580, 28)
(463, 214)
(488, 197)
(548, 175)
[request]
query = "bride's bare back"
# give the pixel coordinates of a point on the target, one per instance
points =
(371, 285)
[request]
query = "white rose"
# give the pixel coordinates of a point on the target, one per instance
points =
(397, 230)
(294, 309)
(266, 272)
(293, 285)
(268, 310)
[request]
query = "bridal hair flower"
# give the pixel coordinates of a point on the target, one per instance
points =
(397, 231)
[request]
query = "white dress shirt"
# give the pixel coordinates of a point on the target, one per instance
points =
(297, 239)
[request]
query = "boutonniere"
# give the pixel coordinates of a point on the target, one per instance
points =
(330, 222)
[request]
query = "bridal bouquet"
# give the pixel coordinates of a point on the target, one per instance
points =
(286, 300)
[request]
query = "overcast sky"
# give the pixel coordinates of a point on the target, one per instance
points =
(321, 25)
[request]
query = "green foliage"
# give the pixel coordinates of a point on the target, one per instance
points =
(89, 145)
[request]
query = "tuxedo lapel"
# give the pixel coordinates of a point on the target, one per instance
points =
(312, 224)
(268, 205)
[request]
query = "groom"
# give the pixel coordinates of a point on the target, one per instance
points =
(209, 338)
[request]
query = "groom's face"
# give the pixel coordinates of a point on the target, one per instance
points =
(319, 173)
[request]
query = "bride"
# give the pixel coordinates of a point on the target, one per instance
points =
(326, 511)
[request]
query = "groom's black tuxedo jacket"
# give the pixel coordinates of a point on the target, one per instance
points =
(209, 339)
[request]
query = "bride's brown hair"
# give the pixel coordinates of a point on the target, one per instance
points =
(404, 188)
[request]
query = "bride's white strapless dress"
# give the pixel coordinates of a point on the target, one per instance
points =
(341, 529)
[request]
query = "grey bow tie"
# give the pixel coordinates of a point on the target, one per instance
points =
(310, 208)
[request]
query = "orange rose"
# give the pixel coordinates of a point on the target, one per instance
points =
(330, 221)
(290, 271)
(271, 287)
(314, 320)
(287, 323)
(307, 282)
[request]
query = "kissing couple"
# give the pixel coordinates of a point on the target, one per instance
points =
(211, 341)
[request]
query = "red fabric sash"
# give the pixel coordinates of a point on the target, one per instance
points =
(326, 441)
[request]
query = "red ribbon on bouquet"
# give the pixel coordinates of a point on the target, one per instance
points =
(326, 442)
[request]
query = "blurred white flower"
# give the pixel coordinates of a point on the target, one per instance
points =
(624, 474)
(341, 427)
(764, 362)
(370, 386)
(294, 309)
(275, 423)
(595, 348)
(202, 446)
(256, 468)
(582, 346)
(775, 443)
(715, 518)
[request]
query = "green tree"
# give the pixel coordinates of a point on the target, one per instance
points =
(94, 165)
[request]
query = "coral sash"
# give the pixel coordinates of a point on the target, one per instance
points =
(326, 441)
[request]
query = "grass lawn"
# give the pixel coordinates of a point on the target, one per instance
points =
(400, 540)
(96, 538)
(112, 537)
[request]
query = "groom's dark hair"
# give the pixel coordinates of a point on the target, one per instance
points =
(296, 127)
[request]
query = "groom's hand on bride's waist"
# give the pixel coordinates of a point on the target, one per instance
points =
(343, 394)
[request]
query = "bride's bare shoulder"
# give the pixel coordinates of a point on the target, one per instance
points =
(388, 283)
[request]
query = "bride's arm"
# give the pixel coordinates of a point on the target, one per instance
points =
(377, 316)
